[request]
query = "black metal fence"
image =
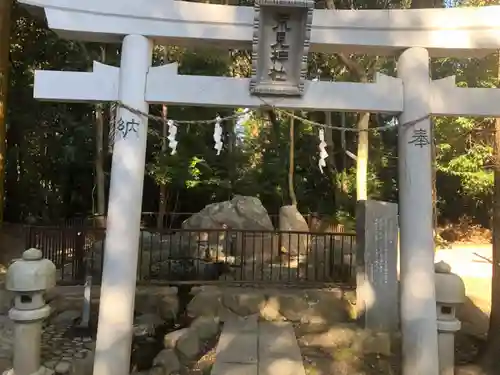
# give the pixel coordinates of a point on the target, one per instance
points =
(206, 256)
(174, 220)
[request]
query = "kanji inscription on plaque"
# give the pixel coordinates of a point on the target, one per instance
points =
(282, 30)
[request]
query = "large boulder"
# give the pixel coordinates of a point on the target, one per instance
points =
(241, 212)
(291, 220)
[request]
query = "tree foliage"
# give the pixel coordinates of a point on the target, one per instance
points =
(51, 146)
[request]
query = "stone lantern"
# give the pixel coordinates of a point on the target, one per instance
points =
(450, 294)
(28, 278)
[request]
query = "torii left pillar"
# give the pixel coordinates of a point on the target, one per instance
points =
(116, 310)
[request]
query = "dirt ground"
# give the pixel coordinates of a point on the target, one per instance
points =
(322, 359)
(347, 360)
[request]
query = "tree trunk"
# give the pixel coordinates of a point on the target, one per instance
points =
(489, 360)
(162, 208)
(5, 19)
(231, 167)
(99, 165)
(362, 157)
(291, 164)
(363, 124)
(100, 158)
(434, 184)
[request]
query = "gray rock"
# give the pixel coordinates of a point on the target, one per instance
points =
(331, 338)
(270, 310)
(206, 327)
(188, 345)
(206, 303)
(170, 339)
(292, 220)
(244, 303)
(292, 306)
(63, 367)
(326, 308)
(45, 371)
(241, 212)
(168, 307)
(50, 364)
(168, 361)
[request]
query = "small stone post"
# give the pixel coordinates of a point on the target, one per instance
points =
(450, 293)
(28, 278)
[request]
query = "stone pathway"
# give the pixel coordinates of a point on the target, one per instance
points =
(59, 352)
(249, 347)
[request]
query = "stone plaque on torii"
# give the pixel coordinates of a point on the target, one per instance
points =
(282, 30)
(140, 23)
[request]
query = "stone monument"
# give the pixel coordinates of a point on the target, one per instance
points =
(376, 265)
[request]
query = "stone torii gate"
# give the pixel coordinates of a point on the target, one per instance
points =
(140, 23)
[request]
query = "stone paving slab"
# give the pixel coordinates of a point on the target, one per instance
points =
(277, 340)
(281, 366)
(248, 324)
(221, 368)
(237, 347)
(258, 348)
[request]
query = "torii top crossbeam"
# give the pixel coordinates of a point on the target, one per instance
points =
(444, 32)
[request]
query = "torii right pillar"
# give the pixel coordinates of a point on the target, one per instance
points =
(418, 295)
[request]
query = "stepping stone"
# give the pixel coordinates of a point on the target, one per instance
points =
(237, 347)
(249, 324)
(277, 340)
(221, 368)
(281, 366)
(247, 347)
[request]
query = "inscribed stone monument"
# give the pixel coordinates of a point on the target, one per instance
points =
(376, 264)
